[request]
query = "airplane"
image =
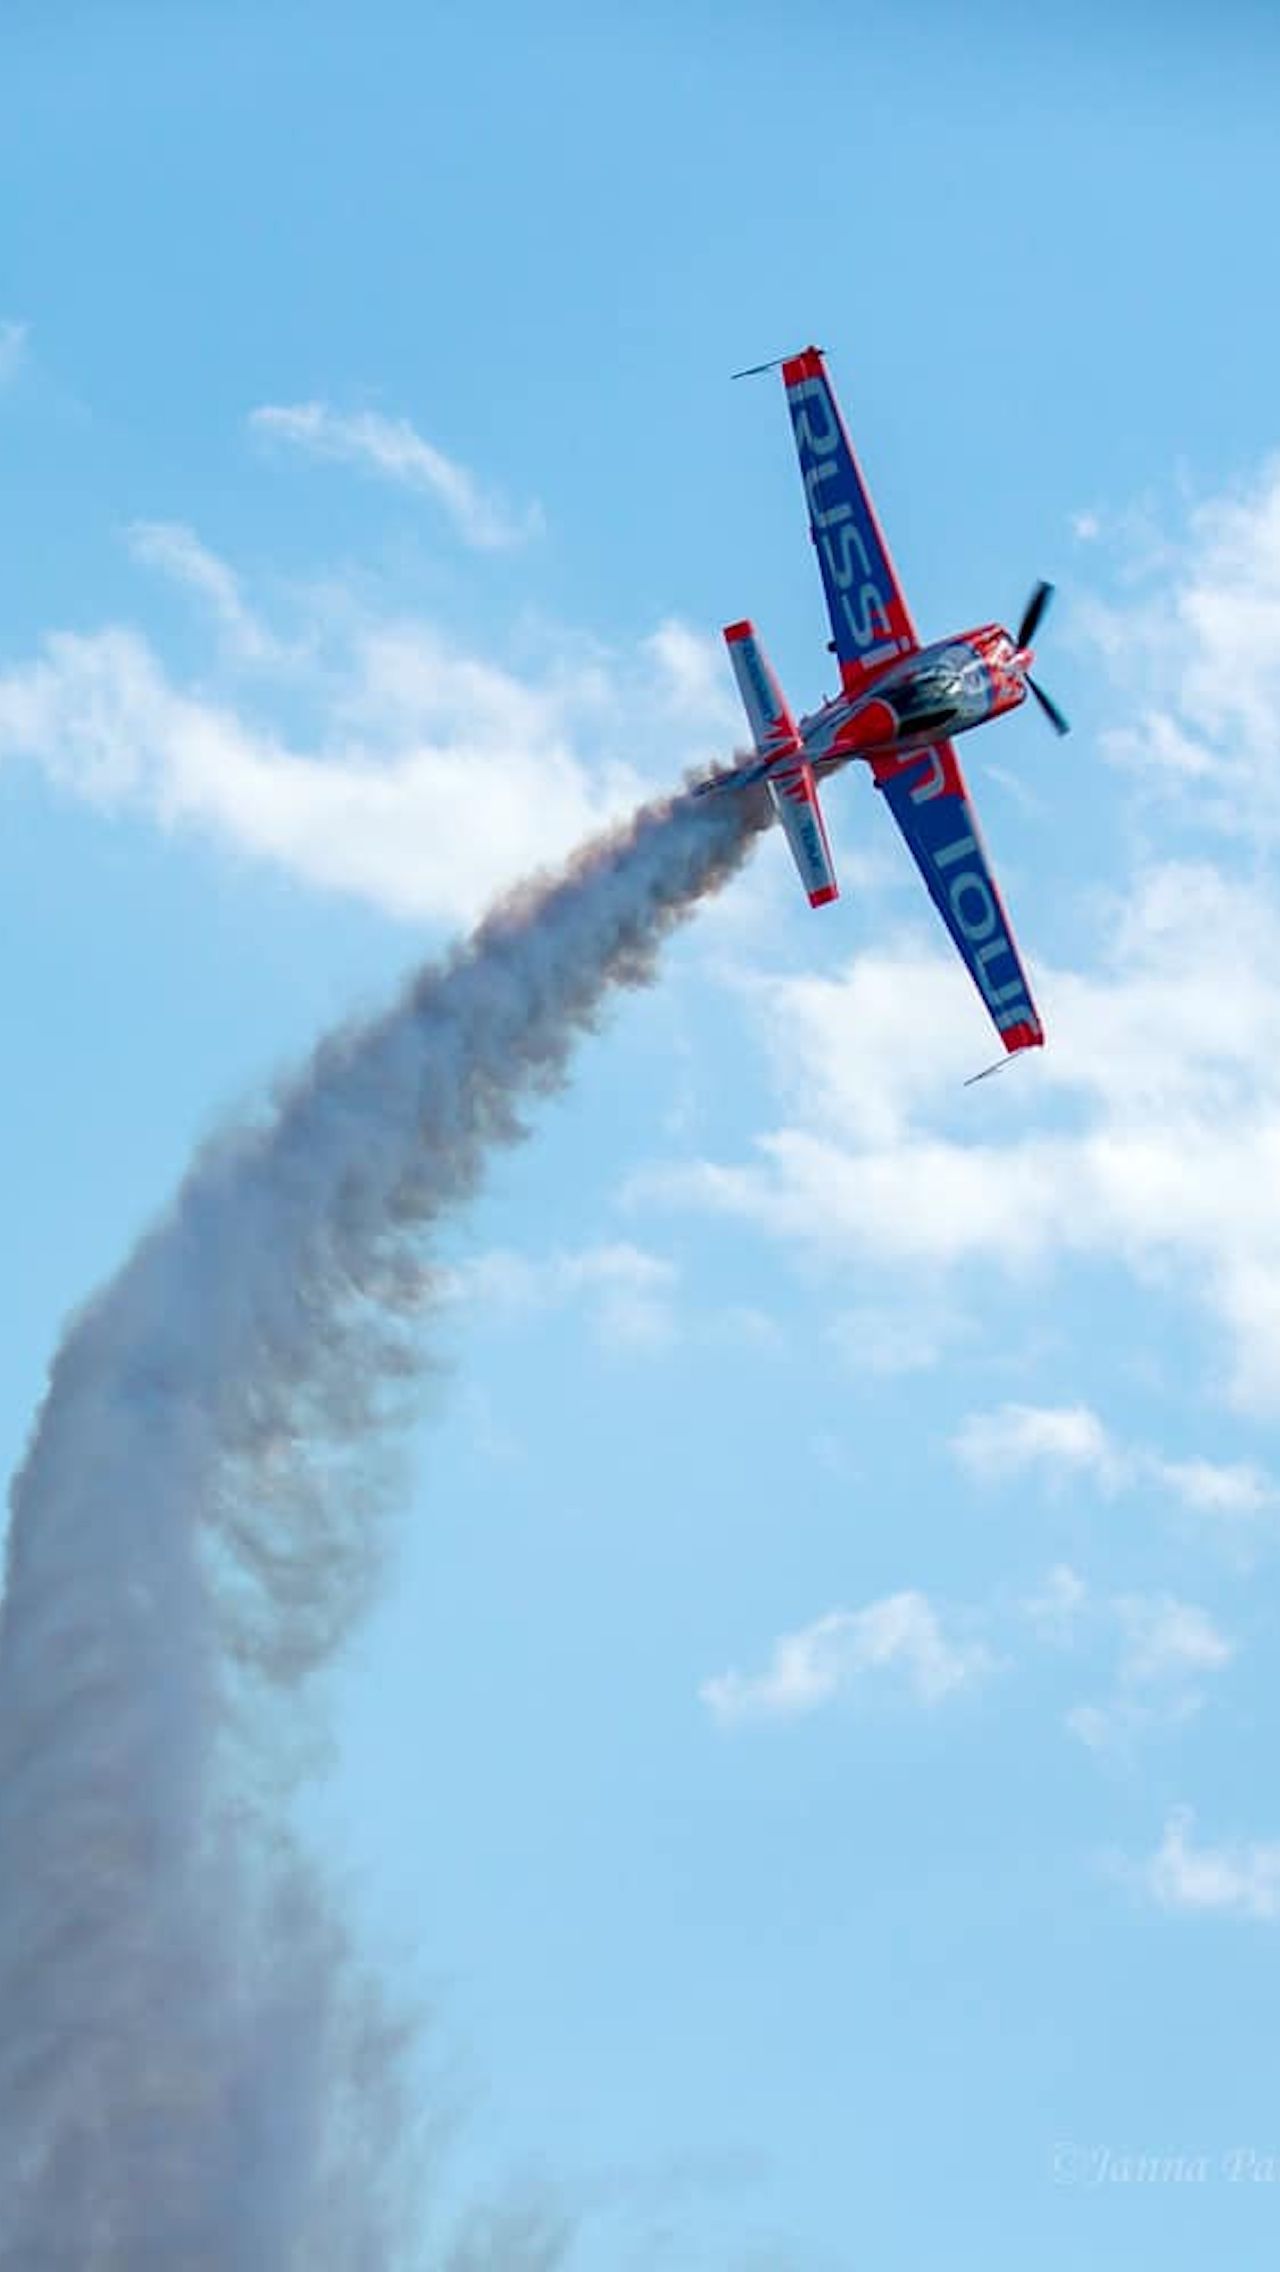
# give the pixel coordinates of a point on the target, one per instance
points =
(898, 707)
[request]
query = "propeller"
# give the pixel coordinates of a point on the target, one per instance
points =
(1033, 616)
(1049, 707)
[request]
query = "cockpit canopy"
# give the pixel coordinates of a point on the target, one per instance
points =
(941, 693)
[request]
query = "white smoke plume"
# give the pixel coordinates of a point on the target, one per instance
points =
(188, 2079)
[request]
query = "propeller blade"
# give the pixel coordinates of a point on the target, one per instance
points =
(1050, 709)
(1033, 614)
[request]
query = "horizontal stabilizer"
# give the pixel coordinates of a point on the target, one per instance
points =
(795, 800)
(783, 763)
(746, 776)
(773, 729)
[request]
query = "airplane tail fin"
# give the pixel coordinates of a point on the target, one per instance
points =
(789, 773)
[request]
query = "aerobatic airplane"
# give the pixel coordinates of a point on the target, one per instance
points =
(899, 705)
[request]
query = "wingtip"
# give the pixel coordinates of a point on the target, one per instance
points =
(778, 363)
(1012, 1054)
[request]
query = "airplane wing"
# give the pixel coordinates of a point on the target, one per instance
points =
(927, 796)
(870, 622)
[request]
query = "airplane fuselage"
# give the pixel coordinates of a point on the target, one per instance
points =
(942, 690)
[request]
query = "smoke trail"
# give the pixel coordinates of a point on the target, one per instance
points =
(185, 2081)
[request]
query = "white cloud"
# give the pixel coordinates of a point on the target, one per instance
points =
(433, 779)
(1062, 1440)
(629, 1291)
(440, 779)
(1056, 1610)
(177, 551)
(13, 348)
(393, 449)
(1148, 1136)
(901, 1634)
(886, 1341)
(1100, 1727)
(1198, 656)
(692, 679)
(1240, 1880)
(1213, 1487)
(835, 1040)
(1162, 1651)
(1161, 1638)
(1165, 1649)
(1166, 1640)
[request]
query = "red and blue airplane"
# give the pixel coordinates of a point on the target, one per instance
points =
(899, 705)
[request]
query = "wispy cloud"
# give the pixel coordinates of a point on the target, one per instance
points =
(13, 348)
(1197, 651)
(888, 1339)
(1167, 1057)
(1070, 1440)
(1214, 1487)
(1056, 1610)
(628, 1291)
(903, 1635)
(176, 551)
(1166, 1639)
(1234, 1880)
(478, 790)
(1162, 1651)
(690, 679)
(435, 777)
(1167, 1649)
(1065, 1439)
(394, 450)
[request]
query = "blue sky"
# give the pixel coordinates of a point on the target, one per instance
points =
(813, 1751)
